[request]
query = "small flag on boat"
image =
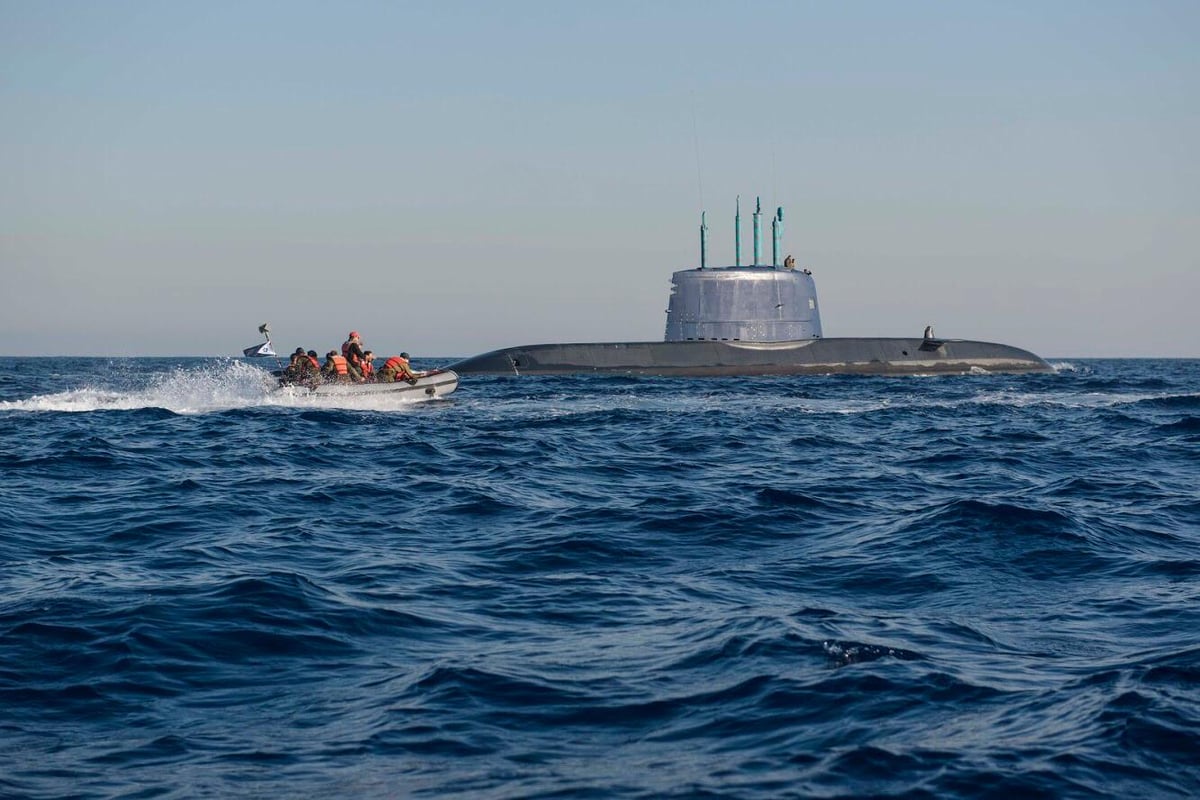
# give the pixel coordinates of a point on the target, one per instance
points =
(258, 350)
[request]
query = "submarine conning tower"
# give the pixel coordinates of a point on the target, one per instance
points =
(755, 303)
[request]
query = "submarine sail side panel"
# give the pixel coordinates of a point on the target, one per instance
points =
(751, 304)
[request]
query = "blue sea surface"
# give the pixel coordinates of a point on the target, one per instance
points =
(594, 587)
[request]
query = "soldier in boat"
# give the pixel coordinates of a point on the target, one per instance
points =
(303, 368)
(336, 368)
(397, 368)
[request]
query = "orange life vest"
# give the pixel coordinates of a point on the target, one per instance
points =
(340, 365)
(316, 364)
(353, 359)
(396, 364)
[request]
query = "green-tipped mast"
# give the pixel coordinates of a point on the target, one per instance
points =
(757, 230)
(776, 236)
(737, 233)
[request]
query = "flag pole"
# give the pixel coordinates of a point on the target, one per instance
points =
(265, 330)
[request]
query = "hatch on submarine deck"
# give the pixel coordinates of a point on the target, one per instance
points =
(752, 320)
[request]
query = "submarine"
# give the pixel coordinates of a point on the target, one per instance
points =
(758, 319)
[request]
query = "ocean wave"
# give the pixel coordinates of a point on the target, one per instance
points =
(842, 653)
(1186, 425)
(986, 518)
(1172, 402)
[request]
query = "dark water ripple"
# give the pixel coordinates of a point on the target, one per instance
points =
(583, 587)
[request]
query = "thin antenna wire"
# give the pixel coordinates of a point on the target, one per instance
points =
(776, 68)
(774, 173)
(696, 139)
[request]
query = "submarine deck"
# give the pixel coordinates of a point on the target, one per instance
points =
(834, 356)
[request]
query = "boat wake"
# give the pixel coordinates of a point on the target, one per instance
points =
(206, 388)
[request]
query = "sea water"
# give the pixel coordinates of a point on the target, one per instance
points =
(973, 586)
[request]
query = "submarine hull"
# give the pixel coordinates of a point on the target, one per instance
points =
(818, 356)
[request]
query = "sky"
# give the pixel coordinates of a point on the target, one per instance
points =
(454, 177)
